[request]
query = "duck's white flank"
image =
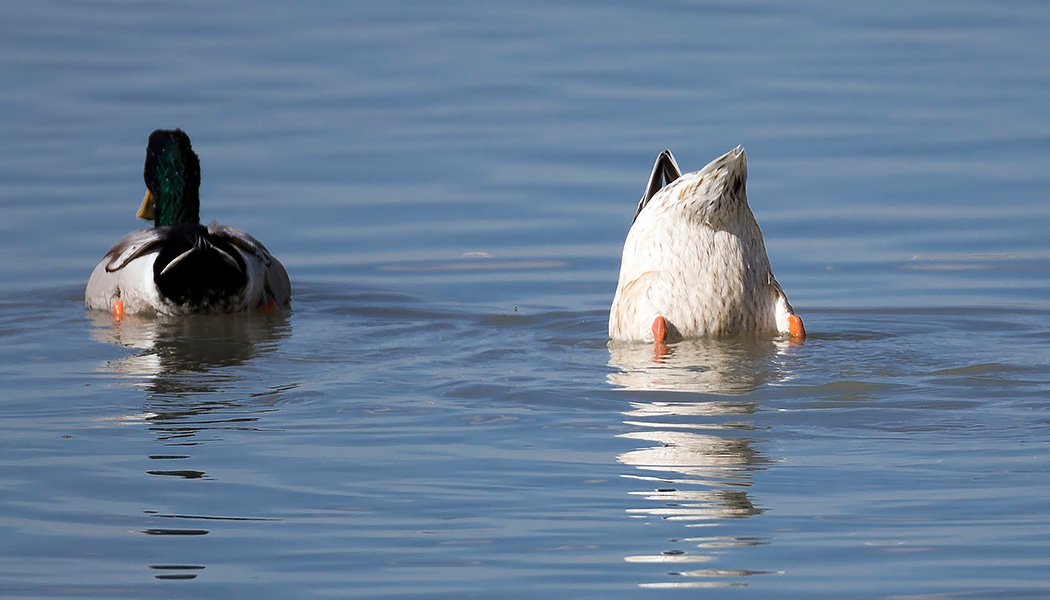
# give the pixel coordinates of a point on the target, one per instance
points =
(695, 257)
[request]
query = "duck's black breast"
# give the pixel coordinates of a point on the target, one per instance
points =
(198, 270)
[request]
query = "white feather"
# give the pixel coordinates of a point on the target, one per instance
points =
(695, 256)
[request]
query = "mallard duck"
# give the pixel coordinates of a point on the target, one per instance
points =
(179, 266)
(694, 263)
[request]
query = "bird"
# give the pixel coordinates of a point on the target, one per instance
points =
(694, 262)
(180, 266)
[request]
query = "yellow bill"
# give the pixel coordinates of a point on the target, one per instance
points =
(146, 212)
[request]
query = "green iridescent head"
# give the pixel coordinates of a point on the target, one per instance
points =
(173, 178)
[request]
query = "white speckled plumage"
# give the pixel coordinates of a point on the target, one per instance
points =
(695, 256)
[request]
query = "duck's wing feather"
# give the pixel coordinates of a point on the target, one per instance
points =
(779, 295)
(242, 240)
(277, 284)
(665, 171)
(133, 245)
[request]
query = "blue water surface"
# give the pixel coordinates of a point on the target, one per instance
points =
(439, 414)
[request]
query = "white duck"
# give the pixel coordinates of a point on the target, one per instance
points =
(179, 266)
(694, 263)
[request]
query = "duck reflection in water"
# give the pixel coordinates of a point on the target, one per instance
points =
(169, 347)
(735, 365)
(182, 363)
(698, 450)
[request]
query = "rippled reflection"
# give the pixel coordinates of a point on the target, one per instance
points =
(170, 346)
(715, 366)
(182, 365)
(697, 455)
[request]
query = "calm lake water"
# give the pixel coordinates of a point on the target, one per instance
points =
(439, 415)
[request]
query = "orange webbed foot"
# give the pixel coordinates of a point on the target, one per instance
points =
(268, 307)
(660, 330)
(118, 309)
(659, 338)
(796, 329)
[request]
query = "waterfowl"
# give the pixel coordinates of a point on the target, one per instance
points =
(694, 262)
(180, 266)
